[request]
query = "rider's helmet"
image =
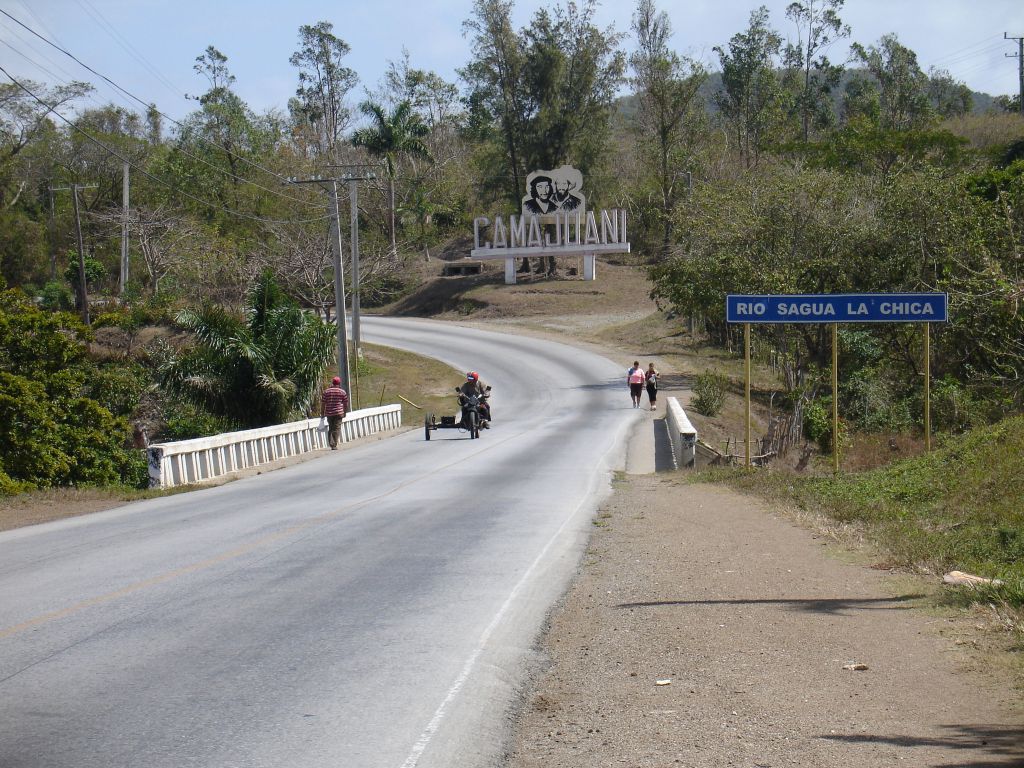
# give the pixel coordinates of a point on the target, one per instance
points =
(472, 376)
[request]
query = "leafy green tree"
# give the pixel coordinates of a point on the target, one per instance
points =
(23, 121)
(751, 98)
(218, 151)
(434, 98)
(1008, 103)
(543, 96)
(668, 87)
(571, 76)
(902, 86)
(256, 370)
(818, 26)
(391, 137)
(863, 147)
(22, 246)
(324, 83)
(496, 98)
(948, 97)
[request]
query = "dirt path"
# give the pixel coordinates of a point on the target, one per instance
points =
(752, 620)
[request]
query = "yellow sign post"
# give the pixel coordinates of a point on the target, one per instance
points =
(746, 369)
(927, 387)
(835, 398)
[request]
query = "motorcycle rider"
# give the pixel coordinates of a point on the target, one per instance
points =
(474, 385)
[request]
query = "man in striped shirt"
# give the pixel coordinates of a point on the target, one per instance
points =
(334, 406)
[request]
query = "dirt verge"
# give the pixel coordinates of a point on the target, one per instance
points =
(705, 631)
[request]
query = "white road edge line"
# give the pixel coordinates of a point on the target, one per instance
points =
(439, 714)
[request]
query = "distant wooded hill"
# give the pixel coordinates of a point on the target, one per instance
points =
(627, 105)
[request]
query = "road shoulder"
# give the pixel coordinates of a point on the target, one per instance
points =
(753, 621)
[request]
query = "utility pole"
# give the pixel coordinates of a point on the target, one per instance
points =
(53, 238)
(1019, 56)
(331, 186)
(83, 292)
(353, 176)
(124, 229)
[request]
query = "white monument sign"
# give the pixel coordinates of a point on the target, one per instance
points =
(554, 222)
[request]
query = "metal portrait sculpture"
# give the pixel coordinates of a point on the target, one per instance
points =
(550, 192)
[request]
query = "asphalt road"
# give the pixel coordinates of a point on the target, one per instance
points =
(373, 607)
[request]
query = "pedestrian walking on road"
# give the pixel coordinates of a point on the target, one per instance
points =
(652, 386)
(635, 377)
(334, 406)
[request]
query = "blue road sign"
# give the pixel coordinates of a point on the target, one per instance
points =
(838, 308)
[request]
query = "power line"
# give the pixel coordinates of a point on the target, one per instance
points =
(149, 105)
(147, 174)
(182, 150)
(20, 38)
(954, 54)
(126, 45)
(973, 56)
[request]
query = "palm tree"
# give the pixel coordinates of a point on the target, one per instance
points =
(256, 370)
(389, 138)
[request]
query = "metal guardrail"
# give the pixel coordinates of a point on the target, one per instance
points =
(201, 459)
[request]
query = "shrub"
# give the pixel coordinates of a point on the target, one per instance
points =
(709, 393)
(186, 420)
(119, 387)
(9, 487)
(818, 424)
(57, 296)
(868, 399)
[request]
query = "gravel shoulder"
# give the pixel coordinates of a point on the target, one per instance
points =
(752, 621)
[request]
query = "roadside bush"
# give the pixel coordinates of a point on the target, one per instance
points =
(870, 402)
(95, 272)
(118, 388)
(709, 393)
(28, 444)
(955, 408)
(9, 487)
(52, 432)
(56, 296)
(818, 425)
(185, 420)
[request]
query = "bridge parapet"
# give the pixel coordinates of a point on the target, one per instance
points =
(203, 459)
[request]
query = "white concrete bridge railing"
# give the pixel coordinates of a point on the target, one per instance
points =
(682, 434)
(205, 458)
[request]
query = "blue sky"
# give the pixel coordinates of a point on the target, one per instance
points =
(149, 46)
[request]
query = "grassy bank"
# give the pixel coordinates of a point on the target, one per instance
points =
(959, 508)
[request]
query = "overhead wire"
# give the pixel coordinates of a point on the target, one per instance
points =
(147, 105)
(113, 152)
(35, 63)
(183, 151)
(18, 36)
(954, 54)
(126, 45)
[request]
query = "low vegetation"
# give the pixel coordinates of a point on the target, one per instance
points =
(956, 508)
